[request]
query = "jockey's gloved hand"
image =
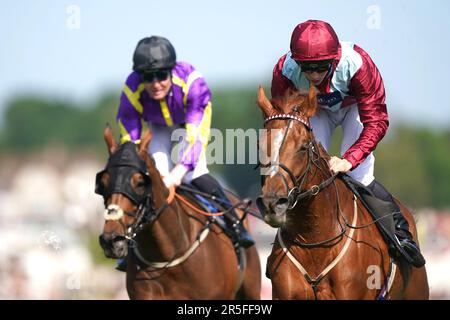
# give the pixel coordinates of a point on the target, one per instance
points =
(175, 176)
(339, 165)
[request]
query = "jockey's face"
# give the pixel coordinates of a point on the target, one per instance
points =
(315, 71)
(316, 77)
(158, 87)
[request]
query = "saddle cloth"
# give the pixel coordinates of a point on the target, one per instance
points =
(210, 206)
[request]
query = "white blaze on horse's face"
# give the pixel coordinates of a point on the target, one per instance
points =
(277, 136)
(113, 213)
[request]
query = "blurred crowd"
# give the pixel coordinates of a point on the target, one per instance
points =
(50, 220)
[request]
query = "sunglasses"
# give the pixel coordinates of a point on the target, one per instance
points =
(160, 75)
(315, 66)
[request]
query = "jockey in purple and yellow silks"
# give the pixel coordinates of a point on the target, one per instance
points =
(168, 95)
(188, 103)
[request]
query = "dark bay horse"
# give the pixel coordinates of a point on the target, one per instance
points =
(327, 246)
(173, 252)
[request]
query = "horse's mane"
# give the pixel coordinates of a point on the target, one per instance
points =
(288, 100)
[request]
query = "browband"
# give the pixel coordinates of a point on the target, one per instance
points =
(289, 116)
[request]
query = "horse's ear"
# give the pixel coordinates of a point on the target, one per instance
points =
(145, 140)
(109, 139)
(309, 107)
(264, 103)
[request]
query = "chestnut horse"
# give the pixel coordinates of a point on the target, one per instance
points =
(173, 251)
(327, 245)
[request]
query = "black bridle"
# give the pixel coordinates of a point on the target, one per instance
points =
(296, 193)
(121, 166)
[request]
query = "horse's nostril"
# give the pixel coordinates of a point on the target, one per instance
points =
(280, 205)
(109, 239)
(282, 202)
(272, 204)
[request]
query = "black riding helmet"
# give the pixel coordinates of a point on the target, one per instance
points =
(154, 53)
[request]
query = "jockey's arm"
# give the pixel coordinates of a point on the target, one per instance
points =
(198, 126)
(368, 89)
(128, 115)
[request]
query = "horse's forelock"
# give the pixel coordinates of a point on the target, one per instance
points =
(285, 103)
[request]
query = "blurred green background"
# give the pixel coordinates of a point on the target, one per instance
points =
(412, 161)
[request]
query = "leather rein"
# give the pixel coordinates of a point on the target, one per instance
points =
(297, 193)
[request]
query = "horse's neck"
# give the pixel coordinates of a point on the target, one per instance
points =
(317, 218)
(169, 235)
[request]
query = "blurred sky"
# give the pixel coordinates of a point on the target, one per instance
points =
(233, 42)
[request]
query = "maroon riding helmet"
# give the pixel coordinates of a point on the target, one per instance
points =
(314, 40)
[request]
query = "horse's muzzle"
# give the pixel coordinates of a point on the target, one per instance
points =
(273, 209)
(114, 246)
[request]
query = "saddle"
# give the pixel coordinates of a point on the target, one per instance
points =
(189, 191)
(194, 196)
(381, 211)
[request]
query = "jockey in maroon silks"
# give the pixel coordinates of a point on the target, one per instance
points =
(350, 94)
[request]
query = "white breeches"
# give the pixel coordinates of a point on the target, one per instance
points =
(324, 123)
(161, 148)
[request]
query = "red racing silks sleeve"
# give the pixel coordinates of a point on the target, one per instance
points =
(368, 89)
(279, 82)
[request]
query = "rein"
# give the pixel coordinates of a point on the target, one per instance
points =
(143, 219)
(142, 223)
(296, 193)
(142, 215)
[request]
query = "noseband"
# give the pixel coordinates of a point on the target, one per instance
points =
(295, 193)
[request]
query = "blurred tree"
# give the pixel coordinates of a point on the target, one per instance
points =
(33, 122)
(400, 167)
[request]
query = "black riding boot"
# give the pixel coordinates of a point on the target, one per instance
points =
(208, 184)
(402, 232)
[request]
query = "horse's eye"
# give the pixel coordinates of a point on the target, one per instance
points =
(140, 184)
(303, 148)
(140, 188)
